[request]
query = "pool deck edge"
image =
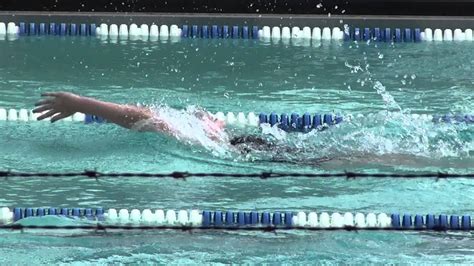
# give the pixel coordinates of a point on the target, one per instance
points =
(443, 22)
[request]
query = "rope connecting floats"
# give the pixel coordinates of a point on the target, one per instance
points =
(105, 228)
(262, 175)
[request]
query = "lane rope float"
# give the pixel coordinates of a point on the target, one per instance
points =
(244, 219)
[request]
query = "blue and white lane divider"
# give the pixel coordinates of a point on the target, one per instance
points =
(295, 122)
(25, 115)
(232, 219)
(406, 34)
(287, 122)
(155, 32)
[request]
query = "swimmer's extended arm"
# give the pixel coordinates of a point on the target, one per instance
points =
(59, 105)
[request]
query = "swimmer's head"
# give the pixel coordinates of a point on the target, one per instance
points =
(250, 143)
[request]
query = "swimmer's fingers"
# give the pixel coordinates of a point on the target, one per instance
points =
(47, 114)
(50, 94)
(45, 101)
(59, 117)
(42, 108)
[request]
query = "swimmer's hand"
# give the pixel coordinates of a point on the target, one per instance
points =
(57, 105)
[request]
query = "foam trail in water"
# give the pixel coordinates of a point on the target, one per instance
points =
(390, 138)
(390, 133)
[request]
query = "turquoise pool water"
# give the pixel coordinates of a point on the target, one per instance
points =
(392, 83)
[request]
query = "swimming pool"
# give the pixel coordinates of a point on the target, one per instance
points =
(382, 88)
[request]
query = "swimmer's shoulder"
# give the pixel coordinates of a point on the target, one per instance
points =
(153, 124)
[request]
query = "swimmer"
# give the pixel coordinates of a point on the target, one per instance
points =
(59, 105)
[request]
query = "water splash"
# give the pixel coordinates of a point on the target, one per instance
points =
(388, 99)
(186, 126)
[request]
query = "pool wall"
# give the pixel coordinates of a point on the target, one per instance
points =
(444, 22)
(353, 7)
